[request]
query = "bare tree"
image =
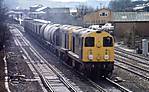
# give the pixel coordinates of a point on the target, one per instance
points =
(120, 5)
(83, 10)
(3, 25)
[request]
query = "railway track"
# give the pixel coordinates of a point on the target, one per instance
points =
(109, 85)
(129, 62)
(51, 78)
(131, 69)
(41, 66)
(123, 89)
(133, 56)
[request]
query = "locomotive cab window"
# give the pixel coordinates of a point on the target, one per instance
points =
(89, 41)
(107, 42)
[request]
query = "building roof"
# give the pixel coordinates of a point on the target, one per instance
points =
(104, 9)
(73, 10)
(138, 8)
(14, 12)
(40, 12)
(40, 9)
(37, 5)
(141, 6)
(130, 16)
(60, 10)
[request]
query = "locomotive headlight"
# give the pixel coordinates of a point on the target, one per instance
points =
(90, 57)
(106, 57)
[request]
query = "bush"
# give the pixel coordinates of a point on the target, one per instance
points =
(4, 32)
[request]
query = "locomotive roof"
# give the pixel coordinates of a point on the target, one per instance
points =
(82, 31)
(41, 21)
(94, 31)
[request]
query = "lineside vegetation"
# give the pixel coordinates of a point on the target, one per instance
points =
(4, 32)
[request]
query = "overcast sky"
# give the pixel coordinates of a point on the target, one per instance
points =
(70, 0)
(78, 0)
(56, 3)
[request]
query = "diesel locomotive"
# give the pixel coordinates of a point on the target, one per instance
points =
(87, 50)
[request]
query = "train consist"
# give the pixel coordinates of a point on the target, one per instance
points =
(89, 51)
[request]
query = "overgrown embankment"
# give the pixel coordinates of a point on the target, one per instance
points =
(4, 37)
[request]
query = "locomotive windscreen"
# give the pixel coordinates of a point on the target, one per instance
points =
(89, 41)
(107, 42)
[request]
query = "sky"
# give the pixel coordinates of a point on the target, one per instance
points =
(69, 0)
(56, 3)
(77, 0)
